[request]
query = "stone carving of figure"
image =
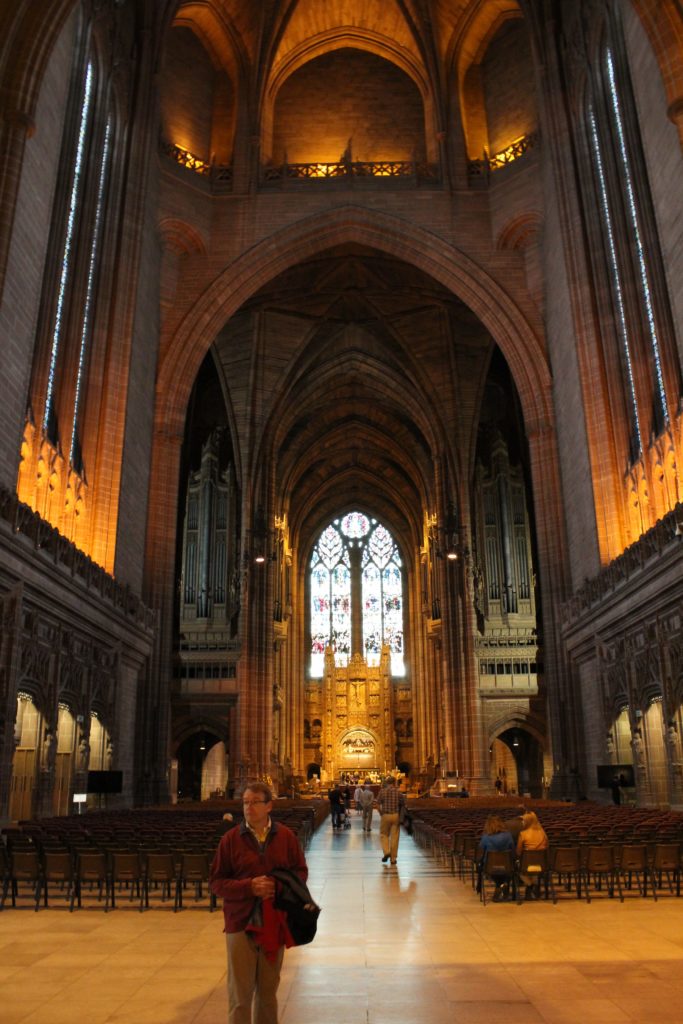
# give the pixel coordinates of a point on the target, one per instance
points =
(83, 754)
(49, 750)
(673, 747)
(478, 586)
(638, 748)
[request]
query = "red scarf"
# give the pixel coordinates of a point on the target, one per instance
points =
(273, 932)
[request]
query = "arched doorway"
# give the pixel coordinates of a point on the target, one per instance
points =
(517, 760)
(202, 766)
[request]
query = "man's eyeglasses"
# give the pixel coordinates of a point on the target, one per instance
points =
(250, 803)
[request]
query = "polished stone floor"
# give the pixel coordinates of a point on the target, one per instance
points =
(403, 945)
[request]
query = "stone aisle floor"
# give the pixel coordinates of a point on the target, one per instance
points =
(403, 945)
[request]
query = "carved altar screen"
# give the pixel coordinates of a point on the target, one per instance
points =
(356, 594)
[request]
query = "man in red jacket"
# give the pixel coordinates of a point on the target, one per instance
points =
(255, 931)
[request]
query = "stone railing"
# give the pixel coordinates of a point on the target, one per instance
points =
(217, 176)
(67, 558)
(663, 535)
(410, 173)
(479, 171)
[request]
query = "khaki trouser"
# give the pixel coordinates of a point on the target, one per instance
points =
(389, 830)
(252, 978)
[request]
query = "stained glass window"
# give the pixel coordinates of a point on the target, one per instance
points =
(356, 558)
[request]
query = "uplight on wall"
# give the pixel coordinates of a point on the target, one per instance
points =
(447, 537)
(187, 159)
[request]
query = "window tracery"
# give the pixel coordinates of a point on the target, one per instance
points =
(356, 586)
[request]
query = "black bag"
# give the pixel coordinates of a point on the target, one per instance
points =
(299, 907)
(405, 818)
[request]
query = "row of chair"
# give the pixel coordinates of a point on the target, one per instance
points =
(108, 874)
(146, 827)
(134, 852)
(582, 871)
(593, 849)
(576, 824)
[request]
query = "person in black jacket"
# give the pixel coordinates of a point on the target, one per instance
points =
(336, 798)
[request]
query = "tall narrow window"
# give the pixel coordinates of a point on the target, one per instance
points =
(633, 216)
(630, 247)
(356, 594)
(75, 457)
(67, 259)
(615, 275)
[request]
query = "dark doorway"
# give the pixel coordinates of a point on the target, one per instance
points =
(191, 756)
(528, 755)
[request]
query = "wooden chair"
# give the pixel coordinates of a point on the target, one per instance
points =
(498, 869)
(160, 870)
(5, 874)
(666, 865)
(25, 868)
(565, 863)
(58, 866)
(194, 870)
(601, 867)
(469, 859)
(125, 871)
(533, 864)
(633, 862)
(91, 870)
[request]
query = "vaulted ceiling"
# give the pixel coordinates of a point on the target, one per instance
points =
(362, 357)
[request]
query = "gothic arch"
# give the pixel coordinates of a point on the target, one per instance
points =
(338, 38)
(473, 284)
(218, 37)
(209, 723)
(520, 232)
(30, 32)
(468, 50)
(519, 720)
(181, 237)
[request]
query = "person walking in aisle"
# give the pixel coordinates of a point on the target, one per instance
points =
(367, 803)
(336, 798)
(390, 802)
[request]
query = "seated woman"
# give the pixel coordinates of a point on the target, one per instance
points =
(495, 837)
(532, 837)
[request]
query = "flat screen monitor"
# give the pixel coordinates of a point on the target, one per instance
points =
(105, 782)
(608, 772)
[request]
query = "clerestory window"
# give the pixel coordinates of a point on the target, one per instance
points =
(630, 248)
(79, 231)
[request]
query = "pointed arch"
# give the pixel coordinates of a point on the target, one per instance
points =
(472, 283)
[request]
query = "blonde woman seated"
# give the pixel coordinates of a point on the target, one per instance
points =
(532, 837)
